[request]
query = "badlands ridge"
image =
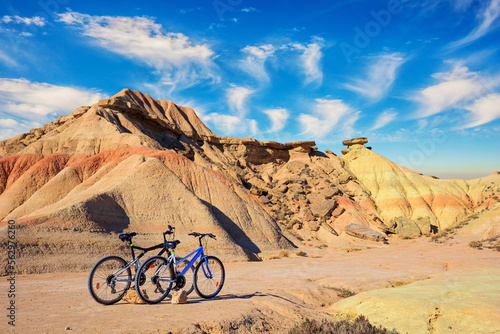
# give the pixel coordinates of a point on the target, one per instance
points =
(132, 163)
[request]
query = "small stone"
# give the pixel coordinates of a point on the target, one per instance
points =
(131, 297)
(283, 189)
(179, 297)
(264, 199)
(68, 328)
(338, 211)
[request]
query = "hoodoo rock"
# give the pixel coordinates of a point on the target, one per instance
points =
(355, 141)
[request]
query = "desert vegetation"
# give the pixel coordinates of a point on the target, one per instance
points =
(360, 325)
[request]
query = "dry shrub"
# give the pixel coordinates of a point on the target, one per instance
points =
(395, 284)
(360, 325)
(476, 244)
(343, 293)
(284, 253)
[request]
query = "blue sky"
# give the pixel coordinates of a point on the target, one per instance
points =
(420, 79)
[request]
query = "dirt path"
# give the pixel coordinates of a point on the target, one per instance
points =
(258, 296)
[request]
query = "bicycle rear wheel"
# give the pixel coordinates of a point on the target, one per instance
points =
(108, 281)
(208, 280)
(154, 279)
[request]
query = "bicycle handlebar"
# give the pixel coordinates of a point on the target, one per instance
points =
(170, 230)
(201, 235)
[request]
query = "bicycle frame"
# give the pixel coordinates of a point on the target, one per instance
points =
(171, 258)
(135, 262)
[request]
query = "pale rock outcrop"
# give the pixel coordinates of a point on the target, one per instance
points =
(454, 303)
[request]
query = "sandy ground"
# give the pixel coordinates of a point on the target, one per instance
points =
(269, 296)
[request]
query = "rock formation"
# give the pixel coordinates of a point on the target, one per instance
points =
(134, 163)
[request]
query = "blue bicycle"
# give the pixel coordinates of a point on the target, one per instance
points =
(158, 275)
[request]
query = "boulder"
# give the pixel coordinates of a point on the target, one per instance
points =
(323, 208)
(338, 211)
(282, 189)
(299, 180)
(405, 228)
(264, 199)
(329, 192)
(307, 214)
(296, 167)
(363, 232)
(424, 224)
(312, 225)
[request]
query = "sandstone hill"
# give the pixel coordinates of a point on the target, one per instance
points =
(132, 163)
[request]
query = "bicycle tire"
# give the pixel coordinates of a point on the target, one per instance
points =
(101, 282)
(149, 283)
(204, 284)
(189, 275)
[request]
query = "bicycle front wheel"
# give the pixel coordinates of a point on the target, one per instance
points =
(109, 280)
(209, 277)
(154, 279)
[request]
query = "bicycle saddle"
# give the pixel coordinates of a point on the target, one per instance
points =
(127, 236)
(172, 244)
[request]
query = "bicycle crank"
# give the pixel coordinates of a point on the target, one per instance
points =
(180, 282)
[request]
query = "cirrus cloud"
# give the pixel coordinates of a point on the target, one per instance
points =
(488, 18)
(327, 113)
(278, 118)
(483, 110)
(386, 117)
(453, 88)
(179, 61)
(380, 76)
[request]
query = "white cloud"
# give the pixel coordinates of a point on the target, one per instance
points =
(249, 10)
(311, 60)
(228, 123)
(20, 97)
(253, 127)
(278, 118)
(8, 123)
(484, 110)
(326, 115)
(384, 118)
(254, 63)
(36, 20)
(380, 76)
(454, 87)
(488, 19)
(174, 55)
(236, 98)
